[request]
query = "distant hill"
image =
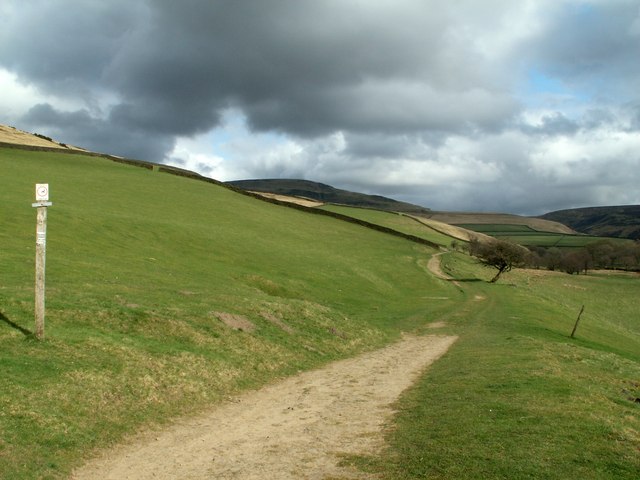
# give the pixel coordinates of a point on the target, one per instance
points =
(327, 194)
(619, 221)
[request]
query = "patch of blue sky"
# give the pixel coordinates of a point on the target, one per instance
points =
(541, 83)
(541, 90)
(234, 131)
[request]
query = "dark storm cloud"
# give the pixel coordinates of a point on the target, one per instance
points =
(593, 46)
(304, 67)
(376, 146)
(65, 46)
(308, 68)
(81, 128)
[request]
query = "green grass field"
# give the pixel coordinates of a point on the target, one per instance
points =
(401, 223)
(139, 267)
(516, 398)
(527, 236)
(143, 267)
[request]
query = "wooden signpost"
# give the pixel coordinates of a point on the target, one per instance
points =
(41, 205)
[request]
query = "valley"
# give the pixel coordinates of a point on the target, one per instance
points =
(167, 296)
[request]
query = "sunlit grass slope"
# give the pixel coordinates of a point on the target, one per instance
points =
(517, 398)
(145, 268)
(143, 271)
(395, 221)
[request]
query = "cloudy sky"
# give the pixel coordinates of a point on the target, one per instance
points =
(519, 106)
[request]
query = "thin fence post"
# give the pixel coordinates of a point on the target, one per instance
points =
(575, 327)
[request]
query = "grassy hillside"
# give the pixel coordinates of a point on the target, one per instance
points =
(167, 294)
(327, 194)
(516, 397)
(619, 221)
(441, 234)
(401, 223)
(145, 273)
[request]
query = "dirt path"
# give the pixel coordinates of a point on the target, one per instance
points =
(294, 429)
(435, 267)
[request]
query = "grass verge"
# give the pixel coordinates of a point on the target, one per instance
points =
(515, 397)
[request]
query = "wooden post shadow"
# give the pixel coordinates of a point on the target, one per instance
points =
(22, 330)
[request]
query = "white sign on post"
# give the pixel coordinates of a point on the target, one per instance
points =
(42, 192)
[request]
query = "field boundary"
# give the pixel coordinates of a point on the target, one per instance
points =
(528, 236)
